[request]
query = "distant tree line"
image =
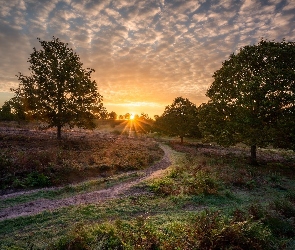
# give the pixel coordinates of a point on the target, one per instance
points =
(251, 100)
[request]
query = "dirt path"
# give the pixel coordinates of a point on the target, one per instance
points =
(119, 190)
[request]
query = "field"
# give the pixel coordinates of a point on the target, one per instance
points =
(106, 190)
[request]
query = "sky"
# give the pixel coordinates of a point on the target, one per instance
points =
(145, 53)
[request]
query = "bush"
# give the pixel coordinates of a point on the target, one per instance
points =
(181, 181)
(5, 163)
(36, 179)
(203, 183)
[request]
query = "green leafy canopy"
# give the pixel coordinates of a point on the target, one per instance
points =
(252, 98)
(179, 119)
(59, 91)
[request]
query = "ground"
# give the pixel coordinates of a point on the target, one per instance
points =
(163, 191)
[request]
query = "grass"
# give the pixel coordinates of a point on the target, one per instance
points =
(69, 190)
(204, 201)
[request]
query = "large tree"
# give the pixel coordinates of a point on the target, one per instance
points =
(59, 91)
(252, 98)
(179, 119)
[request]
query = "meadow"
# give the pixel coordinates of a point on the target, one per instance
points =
(201, 196)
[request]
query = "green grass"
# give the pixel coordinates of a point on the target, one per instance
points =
(202, 202)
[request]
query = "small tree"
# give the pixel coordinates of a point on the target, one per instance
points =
(6, 112)
(179, 119)
(252, 98)
(17, 104)
(113, 115)
(58, 91)
(127, 116)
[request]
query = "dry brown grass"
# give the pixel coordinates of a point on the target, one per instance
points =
(79, 156)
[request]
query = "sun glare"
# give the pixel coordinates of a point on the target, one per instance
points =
(131, 117)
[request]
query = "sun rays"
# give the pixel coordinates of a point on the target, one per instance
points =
(136, 126)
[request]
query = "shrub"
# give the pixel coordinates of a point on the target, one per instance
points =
(208, 230)
(164, 186)
(36, 179)
(5, 163)
(181, 181)
(203, 183)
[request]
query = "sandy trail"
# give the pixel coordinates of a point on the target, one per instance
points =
(116, 191)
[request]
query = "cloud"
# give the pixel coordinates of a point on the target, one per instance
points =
(148, 51)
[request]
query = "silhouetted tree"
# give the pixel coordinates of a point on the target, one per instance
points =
(144, 123)
(127, 116)
(113, 115)
(6, 112)
(100, 112)
(59, 91)
(252, 98)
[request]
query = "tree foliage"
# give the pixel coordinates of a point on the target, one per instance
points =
(144, 122)
(13, 110)
(179, 119)
(112, 115)
(252, 98)
(6, 112)
(59, 91)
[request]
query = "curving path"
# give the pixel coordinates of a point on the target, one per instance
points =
(116, 191)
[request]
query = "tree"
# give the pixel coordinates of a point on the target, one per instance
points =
(99, 111)
(252, 97)
(17, 104)
(144, 123)
(127, 116)
(6, 112)
(59, 91)
(113, 115)
(179, 119)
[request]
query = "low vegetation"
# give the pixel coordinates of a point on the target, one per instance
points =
(209, 198)
(31, 159)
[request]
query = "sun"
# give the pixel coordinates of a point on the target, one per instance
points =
(131, 117)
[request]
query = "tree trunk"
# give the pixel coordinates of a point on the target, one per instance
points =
(181, 139)
(253, 155)
(59, 132)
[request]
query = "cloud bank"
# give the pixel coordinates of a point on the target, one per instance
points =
(146, 52)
